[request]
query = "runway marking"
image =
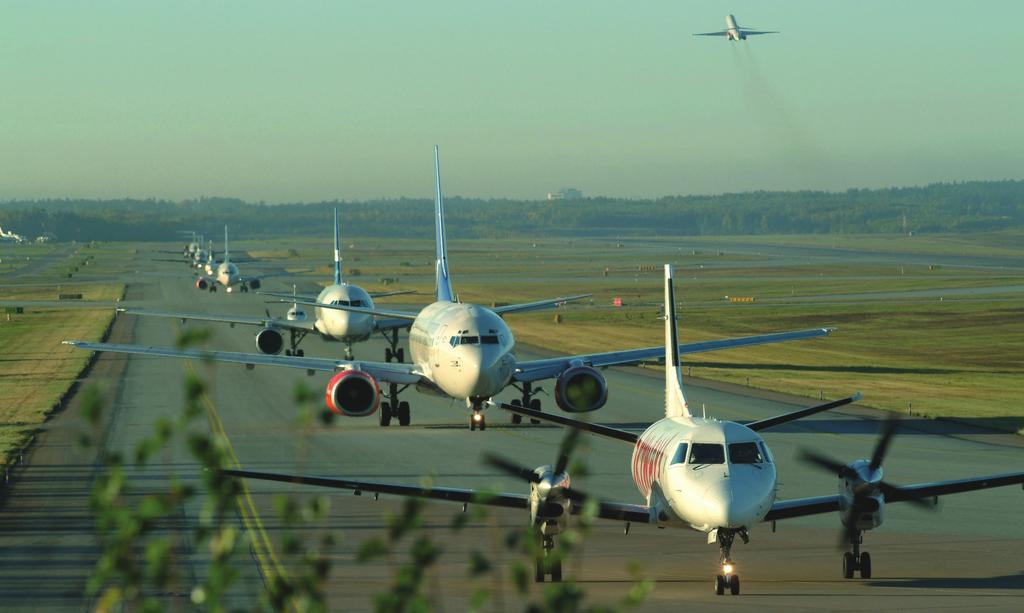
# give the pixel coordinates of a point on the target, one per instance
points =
(262, 546)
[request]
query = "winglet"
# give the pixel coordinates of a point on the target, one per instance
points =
(444, 285)
(675, 401)
(337, 250)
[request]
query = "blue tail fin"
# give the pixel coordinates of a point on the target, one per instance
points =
(337, 250)
(444, 285)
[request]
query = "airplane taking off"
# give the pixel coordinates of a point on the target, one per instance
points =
(734, 31)
(226, 274)
(330, 324)
(459, 350)
(711, 476)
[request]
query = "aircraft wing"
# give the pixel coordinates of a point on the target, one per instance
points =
(388, 372)
(537, 305)
(409, 315)
(391, 324)
(288, 296)
(756, 32)
(605, 510)
(313, 298)
(606, 431)
(719, 33)
(536, 370)
(400, 292)
(307, 326)
(800, 507)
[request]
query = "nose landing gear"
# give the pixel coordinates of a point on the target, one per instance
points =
(477, 421)
(856, 560)
(547, 562)
(728, 579)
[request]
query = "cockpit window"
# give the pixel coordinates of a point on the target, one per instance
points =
(764, 452)
(356, 303)
(470, 340)
(707, 453)
(340, 302)
(489, 339)
(680, 456)
(745, 453)
(454, 341)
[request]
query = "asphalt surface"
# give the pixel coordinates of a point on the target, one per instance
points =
(966, 555)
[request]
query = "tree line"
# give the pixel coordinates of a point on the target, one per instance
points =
(941, 207)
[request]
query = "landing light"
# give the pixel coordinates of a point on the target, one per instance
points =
(477, 417)
(727, 569)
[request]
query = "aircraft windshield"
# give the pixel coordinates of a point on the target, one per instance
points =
(473, 340)
(680, 456)
(707, 453)
(745, 453)
(489, 339)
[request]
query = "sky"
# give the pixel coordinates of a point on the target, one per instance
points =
(304, 101)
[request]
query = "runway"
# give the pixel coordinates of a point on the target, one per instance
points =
(967, 555)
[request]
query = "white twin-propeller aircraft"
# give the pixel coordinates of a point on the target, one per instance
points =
(715, 477)
(330, 324)
(459, 350)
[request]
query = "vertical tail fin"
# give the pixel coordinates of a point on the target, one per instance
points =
(337, 250)
(225, 244)
(675, 401)
(444, 284)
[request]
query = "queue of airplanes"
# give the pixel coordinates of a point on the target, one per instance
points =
(715, 477)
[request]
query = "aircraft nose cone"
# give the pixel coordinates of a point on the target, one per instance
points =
(717, 505)
(481, 371)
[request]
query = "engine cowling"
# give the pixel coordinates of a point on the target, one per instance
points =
(581, 389)
(254, 284)
(353, 393)
(202, 283)
(269, 341)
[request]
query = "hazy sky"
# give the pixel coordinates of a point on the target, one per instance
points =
(284, 101)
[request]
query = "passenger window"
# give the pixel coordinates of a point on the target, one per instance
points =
(680, 456)
(745, 453)
(707, 453)
(470, 340)
(489, 340)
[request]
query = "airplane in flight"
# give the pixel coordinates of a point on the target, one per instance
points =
(697, 473)
(226, 274)
(734, 31)
(459, 350)
(330, 324)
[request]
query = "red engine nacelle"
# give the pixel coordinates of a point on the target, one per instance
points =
(580, 389)
(353, 393)
(202, 283)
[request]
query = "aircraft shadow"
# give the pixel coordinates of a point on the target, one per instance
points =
(1004, 582)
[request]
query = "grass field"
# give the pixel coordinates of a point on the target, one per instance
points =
(37, 369)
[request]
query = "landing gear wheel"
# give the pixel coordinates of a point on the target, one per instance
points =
(400, 355)
(385, 414)
(403, 413)
(719, 585)
(865, 565)
(300, 352)
(734, 585)
(538, 575)
(516, 417)
(556, 572)
(387, 354)
(535, 405)
(848, 565)
(288, 352)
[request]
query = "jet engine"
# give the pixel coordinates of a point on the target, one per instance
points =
(269, 341)
(580, 389)
(254, 284)
(353, 393)
(202, 283)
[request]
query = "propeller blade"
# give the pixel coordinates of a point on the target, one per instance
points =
(848, 532)
(569, 441)
(575, 495)
(509, 468)
(888, 430)
(837, 468)
(922, 503)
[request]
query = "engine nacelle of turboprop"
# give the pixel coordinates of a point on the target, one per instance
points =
(353, 393)
(580, 389)
(202, 283)
(870, 511)
(269, 341)
(254, 284)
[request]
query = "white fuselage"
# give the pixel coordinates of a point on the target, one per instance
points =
(732, 31)
(704, 474)
(227, 274)
(465, 349)
(344, 325)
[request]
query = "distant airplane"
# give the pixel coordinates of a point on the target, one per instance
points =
(330, 324)
(733, 31)
(226, 274)
(11, 236)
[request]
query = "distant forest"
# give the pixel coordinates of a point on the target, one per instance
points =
(942, 207)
